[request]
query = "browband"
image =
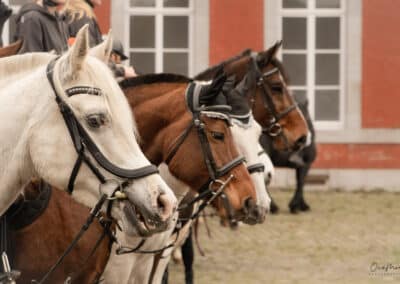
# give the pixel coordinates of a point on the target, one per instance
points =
(82, 140)
(83, 90)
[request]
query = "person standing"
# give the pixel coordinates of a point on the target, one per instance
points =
(116, 58)
(41, 27)
(79, 13)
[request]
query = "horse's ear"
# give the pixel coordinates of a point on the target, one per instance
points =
(265, 57)
(77, 53)
(103, 50)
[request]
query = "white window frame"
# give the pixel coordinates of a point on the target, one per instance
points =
(311, 13)
(199, 35)
(159, 12)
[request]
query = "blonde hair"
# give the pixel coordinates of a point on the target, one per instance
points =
(79, 8)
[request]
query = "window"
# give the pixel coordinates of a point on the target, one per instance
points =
(160, 34)
(313, 54)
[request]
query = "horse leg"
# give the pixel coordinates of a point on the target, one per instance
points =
(273, 208)
(297, 203)
(165, 277)
(188, 256)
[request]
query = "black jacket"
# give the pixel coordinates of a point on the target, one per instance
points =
(94, 31)
(41, 30)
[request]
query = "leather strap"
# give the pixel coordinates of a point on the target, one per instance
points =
(82, 140)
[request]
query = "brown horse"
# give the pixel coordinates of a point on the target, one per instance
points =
(38, 245)
(160, 110)
(159, 107)
(273, 106)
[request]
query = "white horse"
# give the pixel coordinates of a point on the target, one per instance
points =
(246, 136)
(35, 141)
(269, 169)
(136, 268)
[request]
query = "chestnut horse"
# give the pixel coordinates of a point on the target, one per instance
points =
(273, 106)
(299, 159)
(152, 99)
(159, 106)
(37, 246)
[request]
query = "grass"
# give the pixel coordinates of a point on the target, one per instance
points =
(334, 243)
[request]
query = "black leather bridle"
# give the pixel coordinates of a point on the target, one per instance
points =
(83, 143)
(214, 171)
(207, 193)
(274, 128)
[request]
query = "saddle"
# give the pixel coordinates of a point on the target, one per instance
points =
(29, 206)
(22, 213)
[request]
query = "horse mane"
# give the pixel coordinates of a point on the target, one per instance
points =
(211, 69)
(154, 78)
(20, 64)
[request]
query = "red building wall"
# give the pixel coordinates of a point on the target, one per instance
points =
(358, 156)
(103, 14)
(381, 64)
(234, 26)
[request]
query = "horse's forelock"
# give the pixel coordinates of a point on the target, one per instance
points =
(114, 99)
(114, 96)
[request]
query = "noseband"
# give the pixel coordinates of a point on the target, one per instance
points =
(82, 140)
(274, 128)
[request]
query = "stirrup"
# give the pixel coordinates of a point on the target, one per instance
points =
(8, 276)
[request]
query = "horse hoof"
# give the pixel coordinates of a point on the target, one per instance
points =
(304, 207)
(274, 209)
(294, 209)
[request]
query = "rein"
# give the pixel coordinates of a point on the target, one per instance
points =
(274, 129)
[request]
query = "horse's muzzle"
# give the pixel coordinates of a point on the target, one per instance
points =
(253, 213)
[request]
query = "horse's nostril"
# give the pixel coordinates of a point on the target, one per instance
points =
(160, 203)
(248, 204)
(165, 206)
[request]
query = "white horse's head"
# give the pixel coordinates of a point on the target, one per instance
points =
(86, 86)
(246, 136)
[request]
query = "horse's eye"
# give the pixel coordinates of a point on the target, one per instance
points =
(277, 89)
(96, 120)
(218, 135)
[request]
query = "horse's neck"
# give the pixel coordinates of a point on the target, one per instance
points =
(166, 103)
(19, 105)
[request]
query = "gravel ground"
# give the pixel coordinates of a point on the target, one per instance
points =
(337, 242)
